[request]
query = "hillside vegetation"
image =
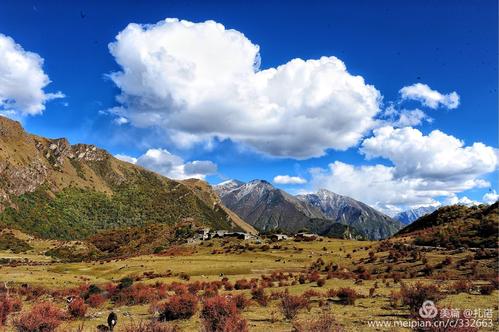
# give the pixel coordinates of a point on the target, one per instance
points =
(457, 226)
(56, 190)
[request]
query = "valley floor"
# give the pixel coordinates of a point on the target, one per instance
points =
(212, 260)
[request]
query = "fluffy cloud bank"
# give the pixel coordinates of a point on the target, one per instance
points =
(22, 80)
(199, 81)
(429, 97)
(433, 156)
(286, 179)
(163, 162)
(425, 167)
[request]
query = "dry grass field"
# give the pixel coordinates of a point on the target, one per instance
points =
(373, 270)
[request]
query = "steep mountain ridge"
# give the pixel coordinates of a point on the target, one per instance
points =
(348, 211)
(265, 207)
(53, 189)
(268, 208)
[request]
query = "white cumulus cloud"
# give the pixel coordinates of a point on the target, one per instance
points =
(490, 197)
(434, 156)
(376, 185)
(429, 97)
(286, 179)
(22, 80)
(200, 81)
(455, 200)
(163, 162)
(425, 168)
(404, 117)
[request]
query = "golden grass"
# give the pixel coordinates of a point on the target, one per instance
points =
(205, 266)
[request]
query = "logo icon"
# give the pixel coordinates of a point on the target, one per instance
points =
(428, 310)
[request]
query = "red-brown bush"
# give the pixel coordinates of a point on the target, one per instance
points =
(461, 286)
(5, 309)
(152, 326)
(291, 304)
(347, 295)
(219, 314)
(178, 307)
(96, 300)
(314, 276)
(311, 293)
(240, 301)
(43, 316)
(324, 323)
(258, 294)
(414, 296)
(332, 292)
(7, 305)
(77, 308)
(136, 294)
(395, 299)
(242, 284)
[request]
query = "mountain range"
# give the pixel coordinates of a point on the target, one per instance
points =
(409, 216)
(271, 209)
(53, 189)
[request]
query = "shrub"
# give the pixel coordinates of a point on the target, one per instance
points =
(314, 276)
(347, 295)
(5, 309)
(461, 286)
(302, 279)
(242, 284)
(136, 294)
(125, 283)
(178, 307)
(240, 301)
(395, 299)
(43, 316)
(332, 292)
(258, 294)
(77, 308)
(291, 304)
(8, 305)
(219, 314)
(152, 326)
(324, 323)
(414, 296)
(96, 300)
(321, 282)
(92, 289)
(311, 293)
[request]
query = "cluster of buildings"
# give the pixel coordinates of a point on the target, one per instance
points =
(207, 234)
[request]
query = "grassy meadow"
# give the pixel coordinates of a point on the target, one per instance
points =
(234, 260)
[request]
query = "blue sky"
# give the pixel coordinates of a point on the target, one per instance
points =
(449, 46)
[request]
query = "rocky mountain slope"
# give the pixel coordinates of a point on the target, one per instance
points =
(348, 211)
(268, 209)
(265, 207)
(407, 217)
(53, 189)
